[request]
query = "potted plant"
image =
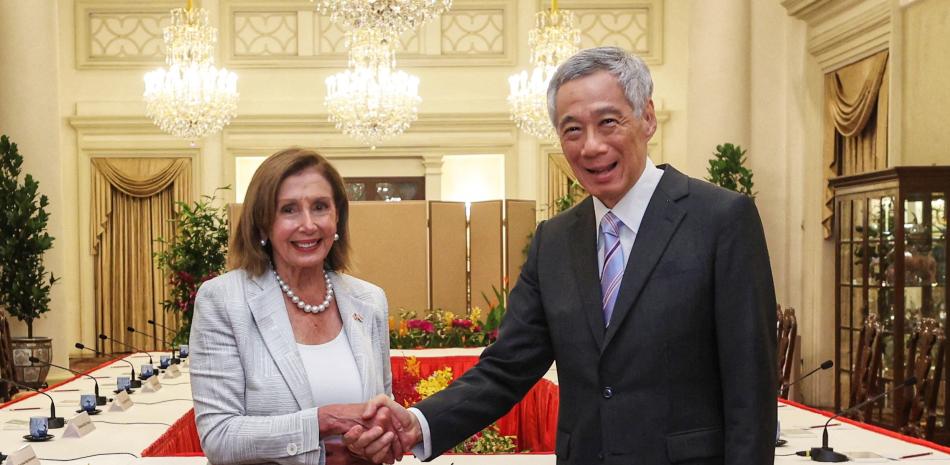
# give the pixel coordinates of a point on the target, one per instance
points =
(198, 253)
(727, 169)
(24, 282)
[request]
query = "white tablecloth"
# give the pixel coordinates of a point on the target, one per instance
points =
(130, 431)
(133, 430)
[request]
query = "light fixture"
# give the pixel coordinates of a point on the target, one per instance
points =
(393, 16)
(371, 101)
(552, 42)
(191, 98)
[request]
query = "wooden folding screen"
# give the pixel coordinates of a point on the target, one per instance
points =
(390, 249)
(486, 250)
(447, 246)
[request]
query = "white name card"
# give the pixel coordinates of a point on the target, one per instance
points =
(23, 456)
(79, 426)
(121, 403)
(172, 372)
(151, 385)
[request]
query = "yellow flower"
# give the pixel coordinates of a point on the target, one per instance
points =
(412, 367)
(436, 382)
(447, 317)
(475, 314)
(392, 322)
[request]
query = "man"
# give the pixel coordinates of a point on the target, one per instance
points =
(654, 296)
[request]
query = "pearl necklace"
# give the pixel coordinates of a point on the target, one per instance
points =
(299, 302)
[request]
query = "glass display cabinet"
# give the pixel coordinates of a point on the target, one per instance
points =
(891, 242)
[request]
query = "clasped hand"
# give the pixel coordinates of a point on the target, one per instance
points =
(380, 431)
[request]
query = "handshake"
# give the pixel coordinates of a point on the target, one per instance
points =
(379, 431)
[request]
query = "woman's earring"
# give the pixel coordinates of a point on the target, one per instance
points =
(263, 242)
(336, 237)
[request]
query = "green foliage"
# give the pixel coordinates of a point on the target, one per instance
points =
(574, 193)
(197, 253)
(727, 170)
(488, 441)
(496, 310)
(24, 282)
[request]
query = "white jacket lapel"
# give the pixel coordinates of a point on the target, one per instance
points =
(267, 307)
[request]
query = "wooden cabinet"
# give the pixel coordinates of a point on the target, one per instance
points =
(891, 240)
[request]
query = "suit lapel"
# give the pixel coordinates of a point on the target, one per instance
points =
(584, 255)
(356, 318)
(267, 307)
(660, 221)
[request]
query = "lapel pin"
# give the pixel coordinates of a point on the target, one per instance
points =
(358, 317)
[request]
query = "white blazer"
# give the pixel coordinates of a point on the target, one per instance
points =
(253, 403)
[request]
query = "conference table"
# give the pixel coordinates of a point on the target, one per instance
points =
(120, 437)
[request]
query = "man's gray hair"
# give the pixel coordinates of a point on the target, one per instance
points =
(631, 72)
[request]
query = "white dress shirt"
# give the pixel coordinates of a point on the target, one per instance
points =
(630, 209)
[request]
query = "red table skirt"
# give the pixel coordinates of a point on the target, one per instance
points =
(533, 420)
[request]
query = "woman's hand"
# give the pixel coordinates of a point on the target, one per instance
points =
(338, 454)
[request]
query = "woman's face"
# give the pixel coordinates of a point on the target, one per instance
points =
(304, 223)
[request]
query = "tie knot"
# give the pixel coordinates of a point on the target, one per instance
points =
(610, 224)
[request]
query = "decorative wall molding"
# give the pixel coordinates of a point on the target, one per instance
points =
(841, 32)
(635, 25)
(120, 33)
(291, 34)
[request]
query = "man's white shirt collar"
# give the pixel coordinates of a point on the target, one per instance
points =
(632, 206)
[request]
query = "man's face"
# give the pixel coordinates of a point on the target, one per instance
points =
(603, 140)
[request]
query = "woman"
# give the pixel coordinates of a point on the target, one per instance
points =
(285, 345)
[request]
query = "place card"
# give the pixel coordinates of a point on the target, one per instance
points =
(172, 372)
(152, 384)
(79, 426)
(22, 456)
(121, 403)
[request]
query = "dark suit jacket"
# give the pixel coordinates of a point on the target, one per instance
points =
(685, 371)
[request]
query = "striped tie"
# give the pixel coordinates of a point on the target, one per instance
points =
(613, 263)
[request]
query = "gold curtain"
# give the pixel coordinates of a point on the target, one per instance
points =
(856, 131)
(133, 204)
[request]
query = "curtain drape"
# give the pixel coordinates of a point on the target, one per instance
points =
(133, 205)
(856, 130)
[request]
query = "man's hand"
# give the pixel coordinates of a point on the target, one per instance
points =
(337, 419)
(377, 442)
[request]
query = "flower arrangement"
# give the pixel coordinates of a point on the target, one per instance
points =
(413, 388)
(444, 329)
(437, 329)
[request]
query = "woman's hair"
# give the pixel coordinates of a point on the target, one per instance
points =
(260, 208)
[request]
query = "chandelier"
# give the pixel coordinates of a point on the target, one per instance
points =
(190, 99)
(393, 16)
(371, 101)
(552, 42)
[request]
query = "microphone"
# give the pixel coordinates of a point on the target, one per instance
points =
(100, 400)
(827, 454)
(53, 422)
(174, 360)
(166, 328)
(824, 366)
(134, 382)
(104, 337)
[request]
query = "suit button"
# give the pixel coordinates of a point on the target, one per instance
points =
(600, 456)
(608, 392)
(292, 449)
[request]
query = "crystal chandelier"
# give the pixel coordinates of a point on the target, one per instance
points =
(553, 41)
(393, 16)
(371, 101)
(191, 98)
